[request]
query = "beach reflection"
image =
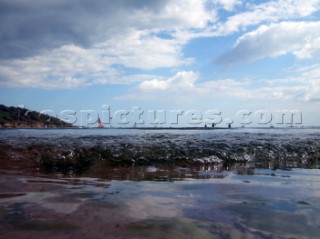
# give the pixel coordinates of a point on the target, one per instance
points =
(189, 203)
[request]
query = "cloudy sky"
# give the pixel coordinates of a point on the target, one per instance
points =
(224, 55)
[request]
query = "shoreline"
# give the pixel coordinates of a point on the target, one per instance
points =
(161, 128)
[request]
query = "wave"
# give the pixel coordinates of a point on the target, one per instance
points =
(80, 154)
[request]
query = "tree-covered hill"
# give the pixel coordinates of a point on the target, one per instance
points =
(15, 117)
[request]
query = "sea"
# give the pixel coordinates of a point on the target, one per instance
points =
(160, 183)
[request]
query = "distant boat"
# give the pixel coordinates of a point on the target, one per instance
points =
(100, 125)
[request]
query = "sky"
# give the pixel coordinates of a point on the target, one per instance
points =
(215, 58)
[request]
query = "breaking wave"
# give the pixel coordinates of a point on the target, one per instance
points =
(161, 149)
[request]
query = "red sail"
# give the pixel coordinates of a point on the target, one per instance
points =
(100, 125)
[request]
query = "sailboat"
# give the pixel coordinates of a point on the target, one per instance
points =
(100, 125)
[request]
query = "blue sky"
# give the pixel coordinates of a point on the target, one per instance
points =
(224, 55)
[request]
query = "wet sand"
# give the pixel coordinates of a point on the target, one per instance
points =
(139, 184)
(261, 204)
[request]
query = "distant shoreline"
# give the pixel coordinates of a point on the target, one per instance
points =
(158, 128)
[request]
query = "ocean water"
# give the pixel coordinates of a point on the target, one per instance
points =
(4, 133)
(78, 150)
(111, 183)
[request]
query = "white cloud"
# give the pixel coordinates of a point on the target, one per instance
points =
(270, 11)
(71, 66)
(155, 85)
(301, 39)
(185, 86)
(310, 48)
(64, 68)
(142, 50)
(181, 80)
(138, 36)
(75, 45)
(67, 67)
(186, 14)
(311, 77)
(178, 88)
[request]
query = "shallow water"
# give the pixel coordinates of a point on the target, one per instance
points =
(239, 183)
(263, 204)
(78, 150)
